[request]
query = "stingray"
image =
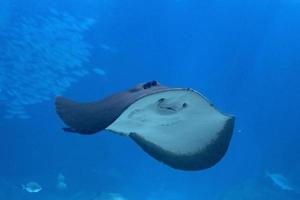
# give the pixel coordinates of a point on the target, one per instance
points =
(177, 126)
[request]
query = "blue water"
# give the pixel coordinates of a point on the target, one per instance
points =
(242, 55)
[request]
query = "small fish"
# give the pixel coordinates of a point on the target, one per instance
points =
(105, 47)
(61, 185)
(99, 71)
(280, 181)
(111, 196)
(61, 178)
(108, 48)
(32, 187)
(61, 182)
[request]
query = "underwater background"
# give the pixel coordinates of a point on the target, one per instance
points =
(242, 55)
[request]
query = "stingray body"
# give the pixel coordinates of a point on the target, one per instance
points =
(177, 126)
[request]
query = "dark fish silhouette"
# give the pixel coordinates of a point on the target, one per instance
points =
(177, 126)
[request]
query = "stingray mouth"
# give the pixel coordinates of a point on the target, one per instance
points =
(166, 106)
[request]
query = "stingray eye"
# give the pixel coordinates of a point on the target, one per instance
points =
(184, 105)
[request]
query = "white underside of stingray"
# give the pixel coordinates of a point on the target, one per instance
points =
(180, 121)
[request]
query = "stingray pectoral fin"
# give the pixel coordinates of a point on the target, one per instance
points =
(89, 118)
(73, 114)
(178, 127)
(197, 160)
(85, 118)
